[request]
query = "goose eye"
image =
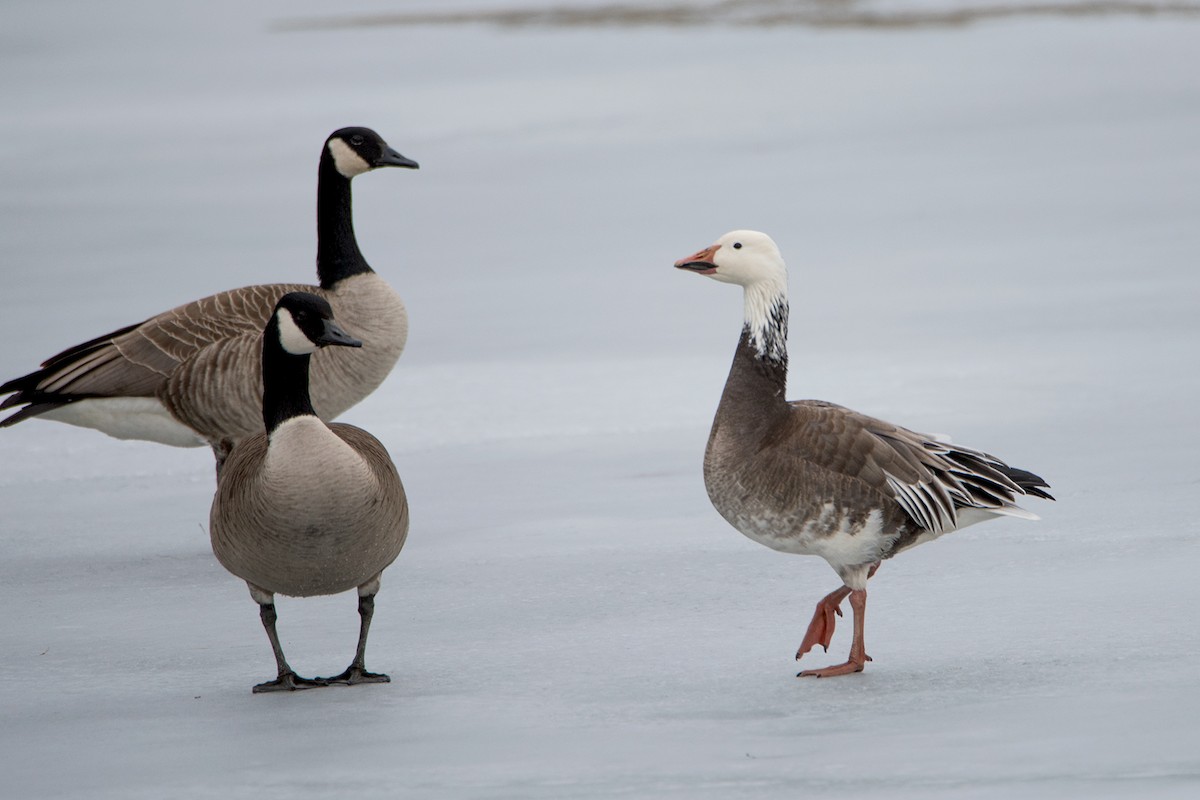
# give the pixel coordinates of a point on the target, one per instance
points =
(737, 245)
(356, 140)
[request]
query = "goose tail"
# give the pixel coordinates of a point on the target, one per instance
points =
(24, 391)
(1029, 483)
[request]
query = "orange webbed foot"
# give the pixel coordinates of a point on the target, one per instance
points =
(848, 668)
(858, 652)
(824, 621)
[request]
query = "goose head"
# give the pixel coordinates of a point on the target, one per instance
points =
(305, 323)
(358, 150)
(747, 258)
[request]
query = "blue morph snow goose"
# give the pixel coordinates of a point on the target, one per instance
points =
(815, 478)
(190, 376)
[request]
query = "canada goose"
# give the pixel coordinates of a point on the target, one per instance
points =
(815, 478)
(191, 375)
(307, 508)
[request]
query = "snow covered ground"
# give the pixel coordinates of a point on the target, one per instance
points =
(992, 231)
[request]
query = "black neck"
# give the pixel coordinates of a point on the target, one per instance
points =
(285, 381)
(338, 255)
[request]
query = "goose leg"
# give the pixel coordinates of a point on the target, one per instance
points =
(820, 630)
(287, 680)
(858, 651)
(357, 672)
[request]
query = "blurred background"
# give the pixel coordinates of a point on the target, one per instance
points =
(989, 214)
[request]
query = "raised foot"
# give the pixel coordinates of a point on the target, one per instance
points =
(849, 668)
(354, 675)
(824, 621)
(820, 630)
(290, 682)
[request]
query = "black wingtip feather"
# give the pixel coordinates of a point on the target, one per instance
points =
(1031, 484)
(15, 385)
(31, 410)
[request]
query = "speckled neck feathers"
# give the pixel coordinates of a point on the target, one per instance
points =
(766, 323)
(755, 393)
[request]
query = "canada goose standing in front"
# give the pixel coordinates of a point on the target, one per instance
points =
(815, 478)
(307, 508)
(191, 376)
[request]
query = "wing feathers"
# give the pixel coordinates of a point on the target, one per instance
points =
(930, 478)
(138, 360)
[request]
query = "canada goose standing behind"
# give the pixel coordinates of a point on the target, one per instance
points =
(307, 508)
(814, 478)
(191, 376)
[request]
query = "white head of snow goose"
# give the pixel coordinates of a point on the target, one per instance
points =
(814, 478)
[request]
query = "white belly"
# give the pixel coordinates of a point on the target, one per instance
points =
(850, 547)
(127, 418)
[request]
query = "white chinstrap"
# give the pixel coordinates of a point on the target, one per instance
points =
(291, 337)
(347, 162)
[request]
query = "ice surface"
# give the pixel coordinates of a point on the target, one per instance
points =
(992, 234)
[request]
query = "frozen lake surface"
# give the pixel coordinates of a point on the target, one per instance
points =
(991, 230)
